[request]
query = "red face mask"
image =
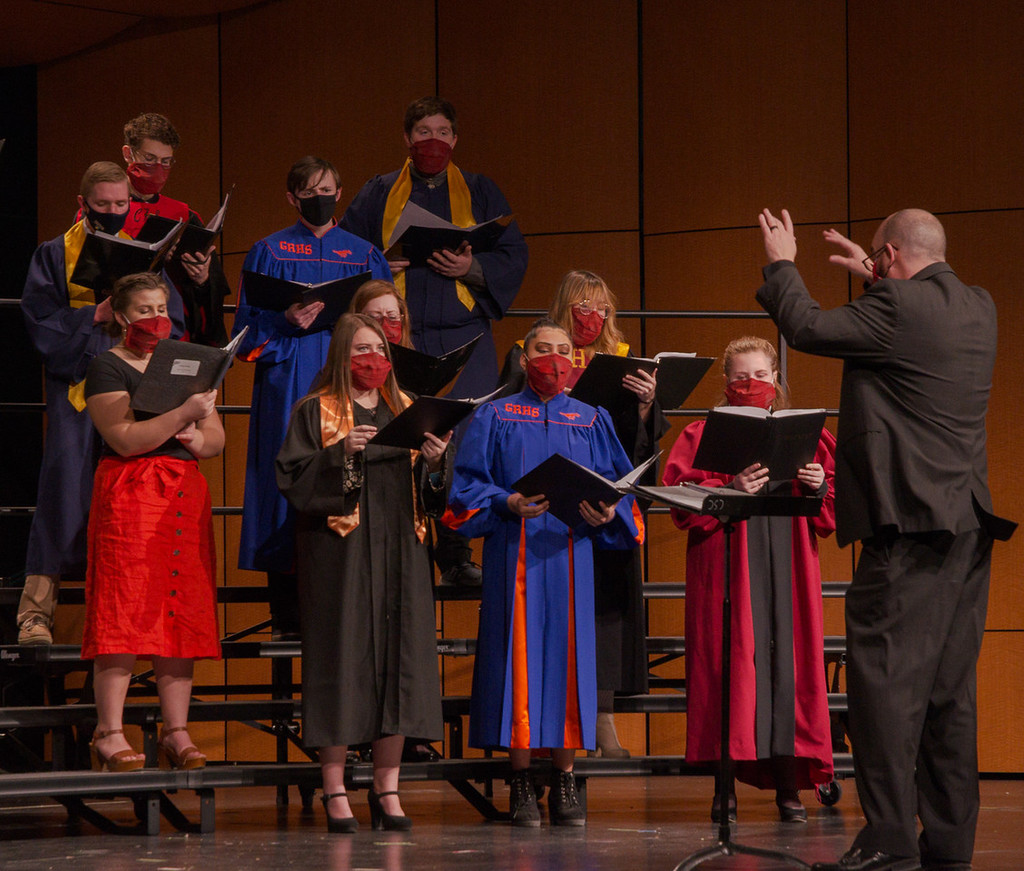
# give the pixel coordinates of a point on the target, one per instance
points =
(142, 335)
(585, 328)
(430, 156)
(392, 330)
(369, 371)
(750, 391)
(548, 374)
(148, 178)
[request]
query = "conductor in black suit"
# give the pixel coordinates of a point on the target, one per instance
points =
(918, 349)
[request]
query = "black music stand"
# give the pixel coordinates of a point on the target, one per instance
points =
(730, 509)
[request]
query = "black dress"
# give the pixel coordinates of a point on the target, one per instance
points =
(369, 665)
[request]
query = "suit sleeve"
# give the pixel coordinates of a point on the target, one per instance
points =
(862, 330)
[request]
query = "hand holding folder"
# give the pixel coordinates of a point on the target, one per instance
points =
(566, 484)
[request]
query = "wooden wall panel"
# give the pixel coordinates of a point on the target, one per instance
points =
(551, 118)
(934, 124)
(75, 132)
(737, 116)
(342, 99)
(1000, 702)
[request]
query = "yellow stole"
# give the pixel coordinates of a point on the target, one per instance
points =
(336, 421)
(78, 296)
(462, 216)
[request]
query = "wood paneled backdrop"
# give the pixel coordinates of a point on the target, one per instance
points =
(636, 139)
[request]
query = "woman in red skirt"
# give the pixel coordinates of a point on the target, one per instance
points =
(151, 590)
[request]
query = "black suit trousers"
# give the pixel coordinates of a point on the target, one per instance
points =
(915, 617)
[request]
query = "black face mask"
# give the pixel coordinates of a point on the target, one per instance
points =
(106, 222)
(317, 210)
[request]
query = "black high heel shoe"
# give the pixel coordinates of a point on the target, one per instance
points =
(339, 825)
(385, 822)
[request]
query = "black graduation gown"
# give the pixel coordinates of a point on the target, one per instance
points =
(369, 665)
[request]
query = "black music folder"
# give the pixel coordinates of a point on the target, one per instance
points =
(195, 238)
(426, 375)
(739, 436)
(178, 369)
(105, 258)
(277, 294)
(601, 382)
(433, 414)
(565, 483)
(419, 233)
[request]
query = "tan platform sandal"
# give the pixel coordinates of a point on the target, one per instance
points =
(120, 761)
(190, 757)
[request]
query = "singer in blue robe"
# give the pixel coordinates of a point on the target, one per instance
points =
(287, 360)
(439, 318)
(538, 575)
(60, 324)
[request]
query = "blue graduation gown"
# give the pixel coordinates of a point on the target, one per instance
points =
(506, 439)
(287, 360)
(66, 339)
(439, 321)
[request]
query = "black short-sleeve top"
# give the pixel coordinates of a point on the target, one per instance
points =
(108, 373)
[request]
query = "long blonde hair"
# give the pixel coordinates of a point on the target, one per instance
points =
(755, 344)
(575, 287)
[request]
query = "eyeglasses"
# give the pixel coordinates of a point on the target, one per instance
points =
(869, 261)
(391, 318)
(147, 159)
(585, 308)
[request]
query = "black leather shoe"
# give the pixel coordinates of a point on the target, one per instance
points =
(463, 575)
(380, 820)
(419, 751)
(339, 825)
(862, 860)
(791, 809)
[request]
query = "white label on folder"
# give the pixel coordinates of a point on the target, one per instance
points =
(185, 367)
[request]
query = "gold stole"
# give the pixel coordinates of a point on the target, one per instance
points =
(336, 421)
(78, 296)
(462, 216)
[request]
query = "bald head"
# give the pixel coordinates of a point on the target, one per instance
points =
(917, 234)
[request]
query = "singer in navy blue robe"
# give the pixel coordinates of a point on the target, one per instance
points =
(64, 335)
(440, 321)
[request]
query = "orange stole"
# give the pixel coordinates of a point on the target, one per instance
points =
(336, 421)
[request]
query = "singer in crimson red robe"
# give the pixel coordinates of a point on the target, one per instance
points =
(779, 704)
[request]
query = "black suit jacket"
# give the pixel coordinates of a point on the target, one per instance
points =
(918, 357)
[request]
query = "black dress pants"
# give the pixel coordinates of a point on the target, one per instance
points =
(915, 617)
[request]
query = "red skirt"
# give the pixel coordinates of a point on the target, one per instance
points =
(151, 587)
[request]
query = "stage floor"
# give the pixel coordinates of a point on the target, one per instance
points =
(634, 823)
